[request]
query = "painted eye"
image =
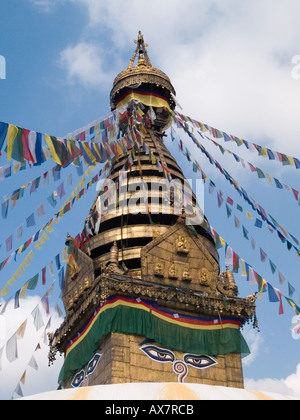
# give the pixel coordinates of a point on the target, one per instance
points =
(93, 364)
(199, 362)
(78, 379)
(158, 354)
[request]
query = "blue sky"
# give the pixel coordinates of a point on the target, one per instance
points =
(231, 65)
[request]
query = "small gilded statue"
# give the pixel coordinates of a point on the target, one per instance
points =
(159, 269)
(186, 276)
(173, 272)
(182, 245)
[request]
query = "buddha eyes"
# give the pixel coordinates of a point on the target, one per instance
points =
(163, 356)
(93, 364)
(158, 354)
(199, 362)
(81, 376)
(78, 379)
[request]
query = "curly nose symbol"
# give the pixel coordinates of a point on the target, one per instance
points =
(181, 369)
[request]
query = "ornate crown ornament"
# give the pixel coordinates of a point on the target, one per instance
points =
(143, 72)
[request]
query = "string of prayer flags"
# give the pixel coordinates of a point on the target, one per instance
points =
(26, 146)
(233, 259)
(252, 147)
(258, 171)
(263, 254)
(255, 206)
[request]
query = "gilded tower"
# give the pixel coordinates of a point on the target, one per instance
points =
(145, 298)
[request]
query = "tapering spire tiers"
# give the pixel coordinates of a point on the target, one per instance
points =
(141, 75)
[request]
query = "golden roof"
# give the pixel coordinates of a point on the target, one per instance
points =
(143, 72)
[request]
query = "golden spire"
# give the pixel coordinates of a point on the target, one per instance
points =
(143, 72)
(141, 50)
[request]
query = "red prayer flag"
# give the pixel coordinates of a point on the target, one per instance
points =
(296, 194)
(44, 276)
(26, 150)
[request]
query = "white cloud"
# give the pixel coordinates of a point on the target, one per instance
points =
(45, 6)
(85, 64)
(288, 386)
(230, 62)
(45, 378)
(254, 340)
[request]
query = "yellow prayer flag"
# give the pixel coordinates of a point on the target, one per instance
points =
(202, 127)
(10, 282)
(153, 159)
(26, 263)
(263, 282)
(223, 243)
(244, 271)
(49, 229)
(4, 291)
(291, 160)
(119, 149)
(11, 135)
(16, 167)
(249, 215)
(23, 291)
(269, 178)
(52, 150)
(45, 236)
(264, 152)
(38, 245)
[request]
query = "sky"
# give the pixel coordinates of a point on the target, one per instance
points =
(234, 66)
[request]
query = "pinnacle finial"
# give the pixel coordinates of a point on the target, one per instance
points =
(141, 52)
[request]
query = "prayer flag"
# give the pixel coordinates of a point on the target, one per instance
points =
(41, 210)
(8, 242)
(258, 223)
(293, 305)
(273, 297)
(228, 255)
(245, 233)
(11, 135)
(291, 290)
(12, 349)
(30, 221)
(273, 266)
(263, 255)
(3, 133)
(44, 276)
(51, 141)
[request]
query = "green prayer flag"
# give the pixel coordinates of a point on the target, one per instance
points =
(260, 173)
(32, 283)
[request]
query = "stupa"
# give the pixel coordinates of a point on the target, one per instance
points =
(145, 298)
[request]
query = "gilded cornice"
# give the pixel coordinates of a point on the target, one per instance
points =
(180, 299)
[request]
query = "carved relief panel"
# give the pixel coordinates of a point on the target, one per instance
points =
(179, 258)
